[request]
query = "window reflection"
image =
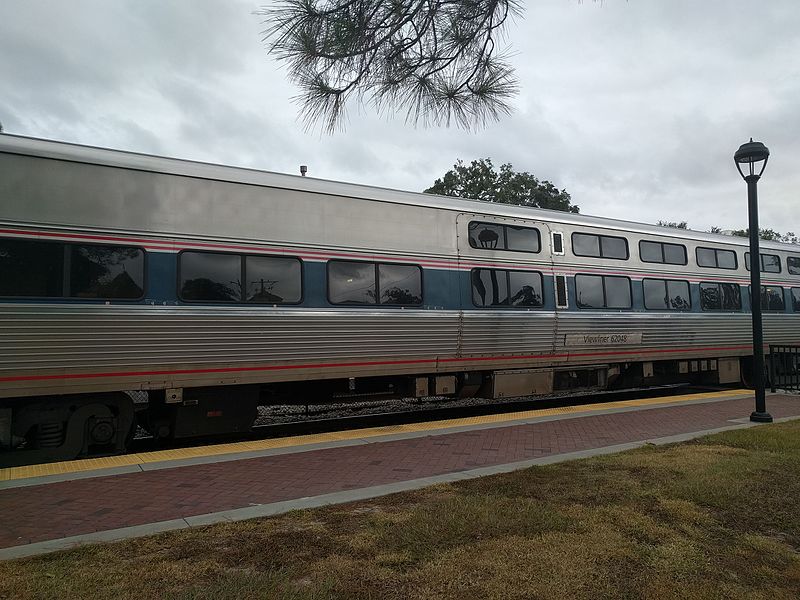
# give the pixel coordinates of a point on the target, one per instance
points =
(662, 294)
(720, 296)
(351, 282)
(589, 291)
(495, 236)
(400, 284)
(211, 277)
(106, 272)
(525, 288)
(486, 235)
(489, 287)
(273, 280)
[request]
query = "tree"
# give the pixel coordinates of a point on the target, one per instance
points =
(673, 224)
(436, 58)
(481, 181)
(769, 235)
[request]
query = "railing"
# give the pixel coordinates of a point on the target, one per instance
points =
(784, 367)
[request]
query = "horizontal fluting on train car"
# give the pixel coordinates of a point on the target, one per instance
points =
(283, 337)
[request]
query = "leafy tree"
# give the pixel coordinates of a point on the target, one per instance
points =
(673, 224)
(769, 235)
(715, 229)
(436, 58)
(481, 181)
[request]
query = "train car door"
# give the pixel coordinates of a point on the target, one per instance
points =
(507, 266)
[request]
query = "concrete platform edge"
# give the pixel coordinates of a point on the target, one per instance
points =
(266, 510)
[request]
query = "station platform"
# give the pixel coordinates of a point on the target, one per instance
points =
(61, 505)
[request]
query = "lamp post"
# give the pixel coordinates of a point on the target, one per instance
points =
(753, 157)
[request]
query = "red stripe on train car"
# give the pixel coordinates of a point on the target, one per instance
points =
(367, 363)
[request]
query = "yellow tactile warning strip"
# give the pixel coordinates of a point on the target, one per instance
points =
(92, 464)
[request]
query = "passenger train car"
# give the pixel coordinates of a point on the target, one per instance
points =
(217, 289)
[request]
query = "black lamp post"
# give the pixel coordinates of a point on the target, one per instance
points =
(753, 157)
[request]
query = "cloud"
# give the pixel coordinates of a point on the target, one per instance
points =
(635, 107)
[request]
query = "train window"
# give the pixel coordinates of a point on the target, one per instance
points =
(522, 239)
(31, 268)
(351, 282)
(558, 243)
(106, 272)
(796, 299)
(599, 246)
(662, 252)
(793, 265)
(494, 236)
(400, 284)
(720, 296)
(715, 258)
(666, 294)
(210, 277)
(489, 287)
(561, 291)
(487, 236)
(770, 263)
(706, 257)
(525, 288)
(613, 247)
(273, 280)
(772, 298)
(618, 291)
(603, 291)
(496, 287)
(584, 244)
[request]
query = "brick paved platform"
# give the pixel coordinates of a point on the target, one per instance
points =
(47, 516)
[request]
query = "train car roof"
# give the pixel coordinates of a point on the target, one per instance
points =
(23, 145)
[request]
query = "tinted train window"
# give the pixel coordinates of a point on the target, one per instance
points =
(400, 284)
(772, 298)
(720, 296)
(273, 279)
(662, 252)
(599, 246)
(497, 287)
(106, 272)
(210, 277)
(525, 288)
(31, 268)
(358, 283)
(770, 263)
(793, 265)
(495, 236)
(715, 258)
(602, 291)
(351, 282)
(796, 299)
(666, 294)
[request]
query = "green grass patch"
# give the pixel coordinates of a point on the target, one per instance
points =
(715, 518)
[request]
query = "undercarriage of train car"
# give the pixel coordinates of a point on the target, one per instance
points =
(46, 429)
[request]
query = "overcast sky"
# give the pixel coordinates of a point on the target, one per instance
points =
(635, 107)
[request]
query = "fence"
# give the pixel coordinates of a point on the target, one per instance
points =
(784, 367)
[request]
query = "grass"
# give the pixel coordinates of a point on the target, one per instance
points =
(714, 518)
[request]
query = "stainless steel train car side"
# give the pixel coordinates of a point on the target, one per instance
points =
(195, 358)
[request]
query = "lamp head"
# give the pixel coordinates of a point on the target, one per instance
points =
(753, 157)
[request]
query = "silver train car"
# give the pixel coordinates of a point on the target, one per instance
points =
(217, 289)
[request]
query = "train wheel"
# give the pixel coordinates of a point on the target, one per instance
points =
(66, 427)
